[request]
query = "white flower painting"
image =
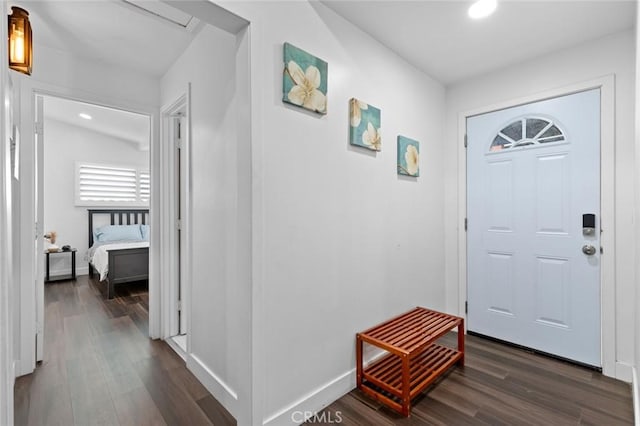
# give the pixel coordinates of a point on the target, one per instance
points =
(355, 111)
(364, 125)
(408, 157)
(371, 138)
(305, 80)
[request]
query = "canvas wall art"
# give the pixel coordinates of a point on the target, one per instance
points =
(408, 157)
(364, 128)
(305, 80)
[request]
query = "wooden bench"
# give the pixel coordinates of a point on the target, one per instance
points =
(413, 361)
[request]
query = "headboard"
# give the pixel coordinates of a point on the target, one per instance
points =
(99, 217)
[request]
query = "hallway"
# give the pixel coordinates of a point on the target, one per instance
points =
(100, 367)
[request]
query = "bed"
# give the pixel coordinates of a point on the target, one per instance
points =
(114, 253)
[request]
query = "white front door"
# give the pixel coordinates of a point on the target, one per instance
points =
(533, 181)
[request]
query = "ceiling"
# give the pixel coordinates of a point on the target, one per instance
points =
(113, 32)
(436, 36)
(127, 126)
(439, 38)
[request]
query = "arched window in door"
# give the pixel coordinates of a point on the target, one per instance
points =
(527, 131)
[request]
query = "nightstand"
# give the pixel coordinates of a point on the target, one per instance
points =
(71, 276)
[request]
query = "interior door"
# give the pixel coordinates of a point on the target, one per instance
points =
(39, 232)
(179, 128)
(533, 206)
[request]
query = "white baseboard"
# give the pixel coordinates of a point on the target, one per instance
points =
(82, 270)
(216, 386)
(636, 396)
(176, 348)
(624, 372)
(318, 399)
(23, 367)
(314, 401)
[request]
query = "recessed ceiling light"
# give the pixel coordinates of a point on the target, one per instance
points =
(85, 116)
(482, 8)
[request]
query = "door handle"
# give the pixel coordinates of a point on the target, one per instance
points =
(588, 249)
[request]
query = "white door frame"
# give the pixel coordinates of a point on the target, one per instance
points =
(38, 167)
(168, 251)
(7, 296)
(29, 88)
(606, 85)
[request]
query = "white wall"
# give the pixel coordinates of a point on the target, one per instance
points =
(341, 241)
(611, 55)
(64, 145)
(220, 312)
(66, 70)
(636, 385)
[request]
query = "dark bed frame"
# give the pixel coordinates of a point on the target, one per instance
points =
(125, 265)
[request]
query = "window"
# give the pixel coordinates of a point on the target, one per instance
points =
(100, 185)
(144, 182)
(527, 131)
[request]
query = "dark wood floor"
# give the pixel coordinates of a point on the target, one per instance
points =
(501, 385)
(100, 367)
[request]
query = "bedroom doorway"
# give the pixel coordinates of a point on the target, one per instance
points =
(176, 140)
(87, 156)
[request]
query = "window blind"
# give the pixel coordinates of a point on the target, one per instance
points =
(105, 185)
(145, 186)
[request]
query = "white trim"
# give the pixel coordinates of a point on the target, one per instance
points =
(187, 236)
(82, 270)
(7, 299)
(176, 348)
(168, 217)
(187, 227)
(315, 400)
(624, 372)
(218, 388)
(219, 382)
(257, 54)
(28, 295)
(607, 211)
(38, 269)
(635, 387)
(321, 397)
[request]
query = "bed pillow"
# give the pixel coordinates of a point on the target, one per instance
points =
(144, 231)
(110, 233)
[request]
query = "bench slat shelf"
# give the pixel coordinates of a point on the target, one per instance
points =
(414, 361)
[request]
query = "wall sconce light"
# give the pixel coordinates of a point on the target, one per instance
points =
(20, 41)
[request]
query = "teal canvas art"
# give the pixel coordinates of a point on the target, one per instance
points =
(408, 157)
(364, 128)
(305, 80)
